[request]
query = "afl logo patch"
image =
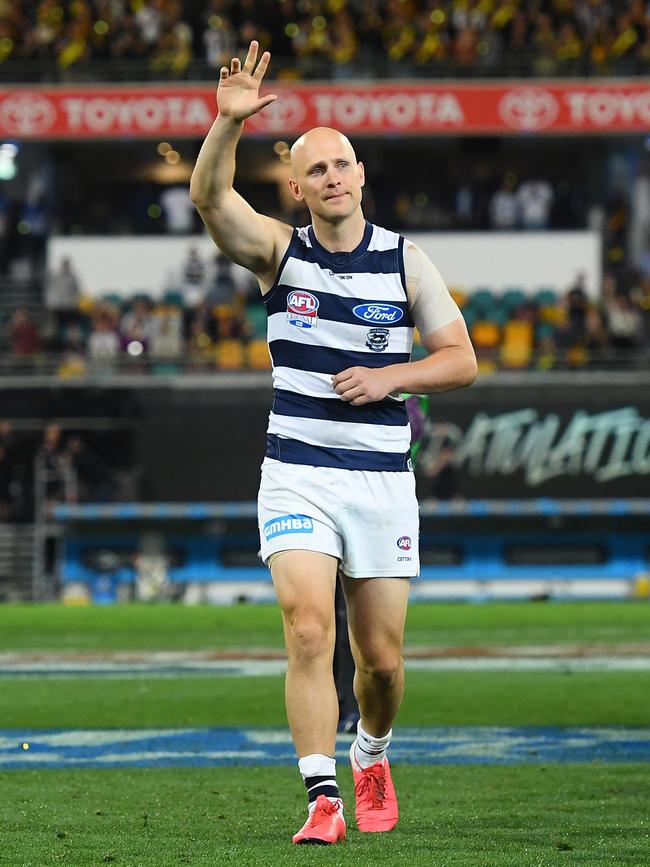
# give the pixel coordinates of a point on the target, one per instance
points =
(382, 314)
(302, 309)
(404, 543)
(377, 339)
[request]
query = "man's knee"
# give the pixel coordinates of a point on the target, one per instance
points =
(383, 667)
(309, 637)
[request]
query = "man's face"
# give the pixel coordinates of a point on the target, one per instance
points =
(326, 174)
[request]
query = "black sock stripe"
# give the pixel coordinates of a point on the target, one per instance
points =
(328, 791)
(314, 781)
(371, 751)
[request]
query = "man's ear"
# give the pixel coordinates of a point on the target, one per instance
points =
(363, 174)
(296, 192)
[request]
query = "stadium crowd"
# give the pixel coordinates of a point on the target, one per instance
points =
(320, 38)
(213, 321)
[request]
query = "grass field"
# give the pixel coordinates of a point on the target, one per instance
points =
(174, 627)
(466, 815)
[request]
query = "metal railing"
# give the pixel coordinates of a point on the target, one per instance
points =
(14, 71)
(81, 370)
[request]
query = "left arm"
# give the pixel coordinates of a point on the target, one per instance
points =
(451, 362)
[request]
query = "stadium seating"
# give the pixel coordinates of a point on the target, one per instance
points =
(451, 39)
(509, 328)
(258, 355)
(483, 542)
(230, 355)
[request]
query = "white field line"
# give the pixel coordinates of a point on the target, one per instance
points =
(265, 668)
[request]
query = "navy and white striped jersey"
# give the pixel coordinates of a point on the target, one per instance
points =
(327, 312)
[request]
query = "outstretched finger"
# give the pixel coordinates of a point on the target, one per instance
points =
(266, 100)
(251, 57)
(262, 66)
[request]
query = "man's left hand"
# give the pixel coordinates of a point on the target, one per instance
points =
(359, 385)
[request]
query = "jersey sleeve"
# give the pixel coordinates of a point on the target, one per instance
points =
(431, 305)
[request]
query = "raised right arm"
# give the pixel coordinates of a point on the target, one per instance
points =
(250, 239)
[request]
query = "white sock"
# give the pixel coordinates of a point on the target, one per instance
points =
(319, 774)
(369, 750)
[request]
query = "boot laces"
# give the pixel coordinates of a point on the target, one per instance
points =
(326, 808)
(372, 786)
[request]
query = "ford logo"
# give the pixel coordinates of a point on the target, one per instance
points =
(376, 312)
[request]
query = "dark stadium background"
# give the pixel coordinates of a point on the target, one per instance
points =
(186, 425)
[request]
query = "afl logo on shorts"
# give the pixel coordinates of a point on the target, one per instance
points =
(404, 543)
(377, 339)
(302, 309)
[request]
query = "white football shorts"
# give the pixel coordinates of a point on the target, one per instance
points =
(368, 520)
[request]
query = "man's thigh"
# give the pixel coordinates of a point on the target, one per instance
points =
(376, 615)
(305, 582)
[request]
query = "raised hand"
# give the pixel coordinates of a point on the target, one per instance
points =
(238, 92)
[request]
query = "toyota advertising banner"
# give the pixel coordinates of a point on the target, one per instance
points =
(576, 107)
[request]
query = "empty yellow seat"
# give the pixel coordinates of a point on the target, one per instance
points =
(258, 355)
(485, 334)
(229, 355)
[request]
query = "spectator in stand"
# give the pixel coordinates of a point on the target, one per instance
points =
(74, 45)
(624, 48)
(93, 481)
(200, 321)
(174, 50)
(543, 45)
(73, 351)
(641, 296)
(555, 37)
(218, 36)
(149, 17)
(138, 326)
(104, 342)
(24, 336)
(344, 44)
(596, 338)
(535, 199)
(126, 41)
(624, 322)
(222, 286)
(193, 277)
(503, 207)
(576, 306)
(178, 209)
(62, 293)
(49, 459)
(569, 49)
(200, 345)
(167, 339)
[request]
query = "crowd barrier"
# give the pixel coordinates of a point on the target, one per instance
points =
(471, 549)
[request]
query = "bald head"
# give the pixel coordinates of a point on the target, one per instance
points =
(326, 176)
(309, 148)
